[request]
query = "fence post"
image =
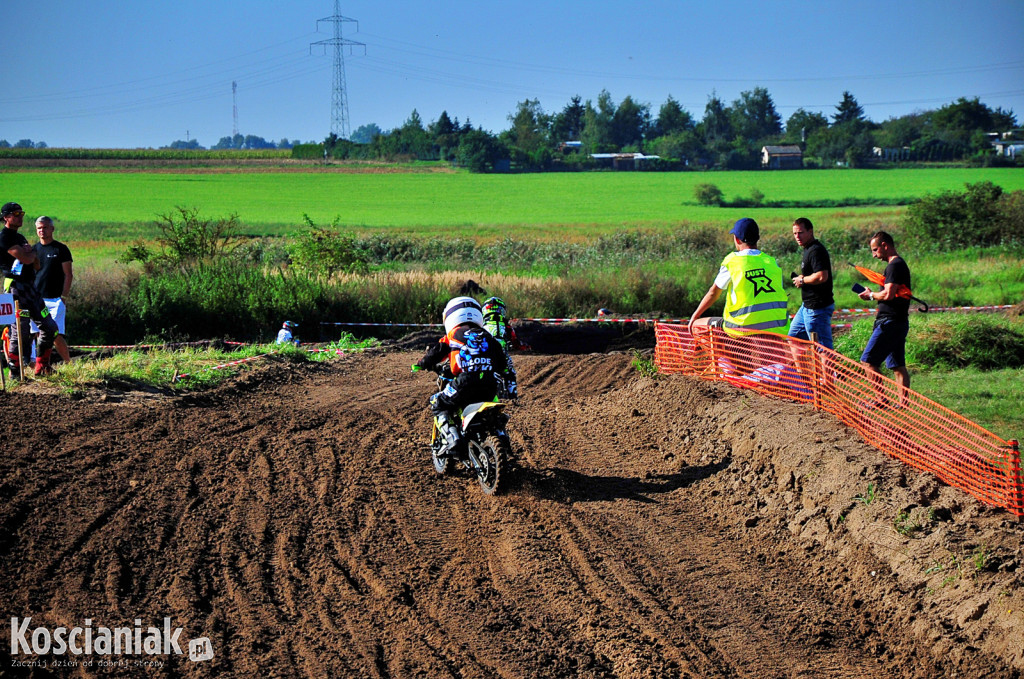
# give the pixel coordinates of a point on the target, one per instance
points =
(1016, 499)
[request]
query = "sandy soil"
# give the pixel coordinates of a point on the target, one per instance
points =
(651, 528)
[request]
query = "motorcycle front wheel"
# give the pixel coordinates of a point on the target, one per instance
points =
(492, 456)
(441, 460)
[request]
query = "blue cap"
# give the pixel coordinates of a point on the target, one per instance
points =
(746, 230)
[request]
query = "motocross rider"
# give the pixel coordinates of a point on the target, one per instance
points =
(475, 359)
(496, 323)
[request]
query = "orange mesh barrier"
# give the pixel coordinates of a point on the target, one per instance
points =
(907, 426)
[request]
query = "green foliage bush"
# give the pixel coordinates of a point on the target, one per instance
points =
(708, 194)
(980, 215)
(186, 240)
(308, 151)
(326, 251)
(978, 341)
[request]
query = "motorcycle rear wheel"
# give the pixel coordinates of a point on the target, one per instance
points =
(495, 453)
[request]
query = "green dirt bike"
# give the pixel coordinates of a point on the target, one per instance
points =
(484, 448)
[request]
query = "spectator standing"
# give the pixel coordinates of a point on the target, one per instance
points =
(53, 280)
(892, 320)
(815, 283)
(18, 263)
(755, 299)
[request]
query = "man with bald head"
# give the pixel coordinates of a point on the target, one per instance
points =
(53, 280)
(18, 265)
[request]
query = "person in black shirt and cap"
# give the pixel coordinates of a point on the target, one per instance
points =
(19, 263)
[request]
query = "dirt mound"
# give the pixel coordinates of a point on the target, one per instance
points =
(653, 528)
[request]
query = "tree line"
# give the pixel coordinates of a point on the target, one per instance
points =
(727, 136)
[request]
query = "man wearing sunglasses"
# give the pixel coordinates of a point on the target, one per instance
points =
(19, 264)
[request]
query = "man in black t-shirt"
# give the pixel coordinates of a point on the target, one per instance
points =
(815, 283)
(892, 321)
(53, 280)
(18, 265)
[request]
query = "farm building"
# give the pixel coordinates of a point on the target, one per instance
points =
(892, 154)
(1009, 147)
(623, 161)
(785, 157)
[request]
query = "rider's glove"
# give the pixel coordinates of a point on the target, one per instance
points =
(416, 368)
(513, 391)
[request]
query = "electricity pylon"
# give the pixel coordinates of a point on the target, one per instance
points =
(339, 95)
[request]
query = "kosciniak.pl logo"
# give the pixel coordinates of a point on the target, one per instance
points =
(89, 640)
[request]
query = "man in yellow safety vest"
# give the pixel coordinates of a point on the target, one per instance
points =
(755, 301)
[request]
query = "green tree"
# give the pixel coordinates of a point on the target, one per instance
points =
(802, 124)
(364, 134)
(754, 117)
(850, 144)
(445, 133)
(685, 146)
(901, 131)
(567, 125)
(479, 151)
(960, 123)
(597, 125)
(848, 111)
(672, 119)
(716, 124)
(630, 123)
(529, 127)
(182, 144)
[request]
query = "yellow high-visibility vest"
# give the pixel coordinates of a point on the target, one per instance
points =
(755, 300)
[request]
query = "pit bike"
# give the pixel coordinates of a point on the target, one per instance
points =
(482, 447)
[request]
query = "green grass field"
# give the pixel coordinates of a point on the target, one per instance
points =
(115, 205)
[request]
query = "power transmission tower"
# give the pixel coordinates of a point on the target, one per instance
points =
(234, 108)
(339, 95)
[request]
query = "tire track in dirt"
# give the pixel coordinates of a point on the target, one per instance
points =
(293, 516)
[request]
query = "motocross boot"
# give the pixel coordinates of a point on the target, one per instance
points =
(449, 433)
(43, 363)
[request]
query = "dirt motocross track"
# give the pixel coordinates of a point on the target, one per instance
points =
(652, 528)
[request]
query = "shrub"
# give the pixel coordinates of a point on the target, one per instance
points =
(325, 252)
(308, 151)
(186, 240)
(708, 194)
(963, 219)
(982, 342)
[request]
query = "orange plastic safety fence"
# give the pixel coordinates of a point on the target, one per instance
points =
(902, 423)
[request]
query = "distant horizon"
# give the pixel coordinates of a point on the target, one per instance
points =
(295, 141)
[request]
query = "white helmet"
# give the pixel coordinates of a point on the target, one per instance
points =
(462, 310)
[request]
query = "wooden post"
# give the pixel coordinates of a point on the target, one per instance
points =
(21, 357)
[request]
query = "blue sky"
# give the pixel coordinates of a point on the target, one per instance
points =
(135, 73)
